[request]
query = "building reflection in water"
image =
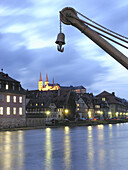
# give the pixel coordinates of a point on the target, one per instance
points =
(48, 150)
(67, 148)
(11, 143)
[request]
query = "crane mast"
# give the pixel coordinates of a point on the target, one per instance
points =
(69, 16)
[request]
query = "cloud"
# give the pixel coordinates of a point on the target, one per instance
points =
(28, 31)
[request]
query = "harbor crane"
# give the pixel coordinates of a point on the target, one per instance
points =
(69, 16)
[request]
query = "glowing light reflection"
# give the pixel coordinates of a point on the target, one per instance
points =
(100, 126)
(48, 155)
(90, 147)
(67, 148)
(110, 126)
(9, 147)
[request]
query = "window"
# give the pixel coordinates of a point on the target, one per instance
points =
(20, 111)
(6, 86)
(8, 98)
(8, 111)
(14, 110)
(97, 106)
(0, 85)
(1, 97)
(13, 86)
(20, 99)
(1, 110)
(19, 88)
(103, 99)
(14, 99)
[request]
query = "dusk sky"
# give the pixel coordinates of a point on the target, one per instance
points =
(28, 31)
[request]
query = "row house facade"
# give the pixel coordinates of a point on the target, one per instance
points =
(12, 102)
(116, 106)
(104, 105)
(47, 105)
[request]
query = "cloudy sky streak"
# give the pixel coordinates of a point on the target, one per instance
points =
(28, 30)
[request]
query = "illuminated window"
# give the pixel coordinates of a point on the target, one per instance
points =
(97, 106)
(20, 111)
(8, 98)
(14, 99)
(42, 104)
(20, 99)
(1, 110)
(8, 111)
(78, 105)
(36, 104)
(6, 87)
(14, 110)
(103, 99)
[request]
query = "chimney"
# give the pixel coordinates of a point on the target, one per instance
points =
(113, 93)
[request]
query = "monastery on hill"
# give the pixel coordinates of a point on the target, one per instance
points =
(46, 85)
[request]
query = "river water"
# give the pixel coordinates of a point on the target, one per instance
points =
(101, 147)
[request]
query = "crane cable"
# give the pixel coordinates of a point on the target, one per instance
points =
(105, 32)
(102, 26)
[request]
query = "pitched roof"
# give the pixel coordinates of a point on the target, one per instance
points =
(5, 77)
(111, 98)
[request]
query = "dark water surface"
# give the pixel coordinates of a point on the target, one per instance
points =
(102, 147)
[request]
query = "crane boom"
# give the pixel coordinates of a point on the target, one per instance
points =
(69, 16)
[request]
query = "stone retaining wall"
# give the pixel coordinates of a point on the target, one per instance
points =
(12, 123)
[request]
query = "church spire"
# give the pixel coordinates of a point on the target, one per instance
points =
(40, 77)
(46, 80)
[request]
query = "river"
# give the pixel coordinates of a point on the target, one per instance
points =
(101, 147)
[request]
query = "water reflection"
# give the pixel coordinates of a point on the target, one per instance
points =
(90, 148)
(48, 151)
(11, 143)
(67, 148)
(86, 148)
(110, 126)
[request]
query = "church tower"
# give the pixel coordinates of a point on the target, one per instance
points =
(46, 81)
(40, 83)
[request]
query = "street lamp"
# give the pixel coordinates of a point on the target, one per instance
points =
(110, 114)
(117, 114)
(66, 111)
(89, 114)
(48, 113)
(101, 114)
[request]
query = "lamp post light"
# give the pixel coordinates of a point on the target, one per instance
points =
(66, 111)
(101, 114)
(48, 113)
(110, 114)
(117, 114)
(89, 114)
